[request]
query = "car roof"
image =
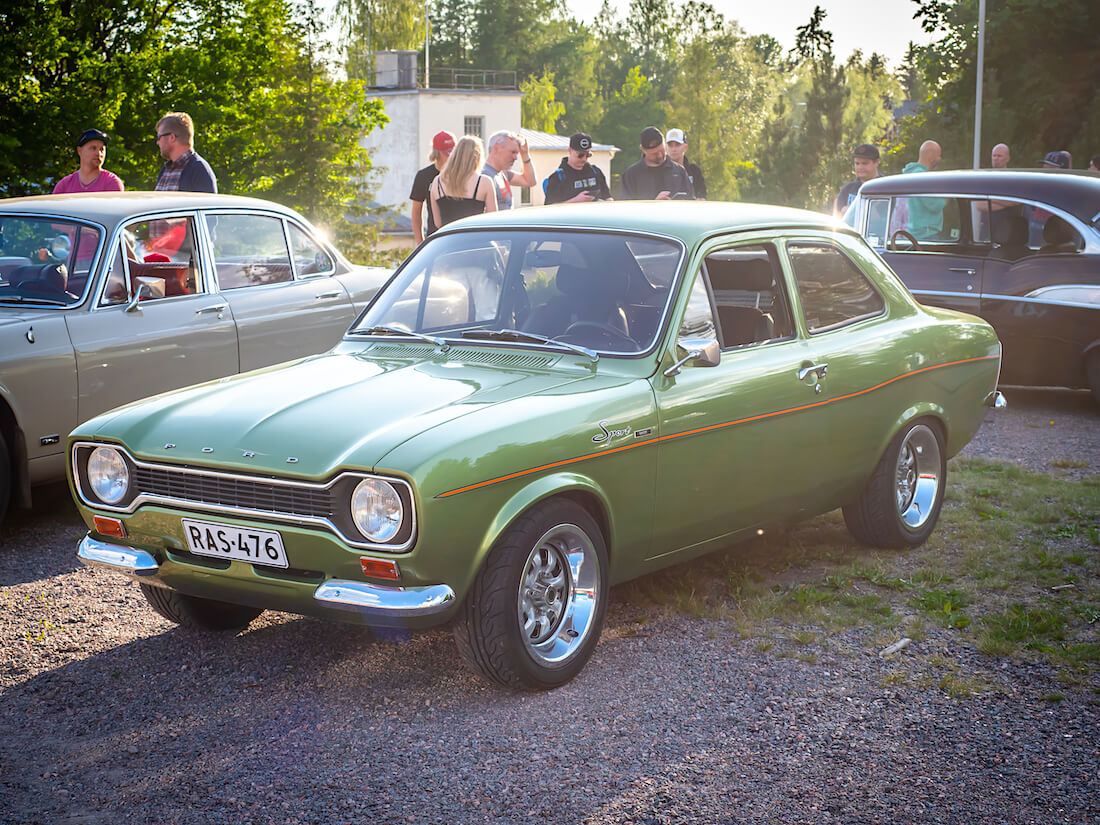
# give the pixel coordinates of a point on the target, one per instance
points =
(1076, 192)
(111, 207)
(688, 220)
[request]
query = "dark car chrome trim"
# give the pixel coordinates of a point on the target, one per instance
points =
(127, 560)
(996, 400)
(196, 505)
(993, 296)
(372, 599)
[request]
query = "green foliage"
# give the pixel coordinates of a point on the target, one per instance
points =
(540, 109)
(377, 25)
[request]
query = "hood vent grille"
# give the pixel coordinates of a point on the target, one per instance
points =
(468, 355)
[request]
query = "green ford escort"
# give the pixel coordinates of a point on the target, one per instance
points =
(538, 405)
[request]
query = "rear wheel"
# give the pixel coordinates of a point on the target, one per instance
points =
(533, 615)
(901, 503)
(196, 613)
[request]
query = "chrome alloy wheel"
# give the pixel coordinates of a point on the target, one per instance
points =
(558, 594)
(917, 476)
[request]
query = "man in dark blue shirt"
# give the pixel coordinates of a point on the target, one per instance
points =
(656, 176)
(865, 164)
(576, 180)
(185, 169)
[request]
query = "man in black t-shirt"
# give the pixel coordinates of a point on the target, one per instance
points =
(656, 176)
(865, 163)
(442, 144)
(676, 141)
(576, 180)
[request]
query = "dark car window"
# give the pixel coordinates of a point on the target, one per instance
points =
(749, 299)
(45, 259)
(249, 250)
(928, 218)
(832, 289)
(159, 253)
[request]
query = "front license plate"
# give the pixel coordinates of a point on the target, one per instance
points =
(223, 541)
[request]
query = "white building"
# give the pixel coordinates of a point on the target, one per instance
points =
(462, 102)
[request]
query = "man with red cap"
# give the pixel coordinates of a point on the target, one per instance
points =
(442, 144)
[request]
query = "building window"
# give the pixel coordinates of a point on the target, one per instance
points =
(474, 126)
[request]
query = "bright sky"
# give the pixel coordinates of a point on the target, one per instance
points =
(885, 27)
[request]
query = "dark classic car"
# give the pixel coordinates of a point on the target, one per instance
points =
(1019, 248)
(106, 298)
(538, 405)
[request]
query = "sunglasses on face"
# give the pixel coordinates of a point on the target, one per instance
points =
(583, 154)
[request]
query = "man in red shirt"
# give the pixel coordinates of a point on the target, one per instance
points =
(91, 147)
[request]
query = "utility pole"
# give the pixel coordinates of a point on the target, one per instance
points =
(978, 90)
(428, 46)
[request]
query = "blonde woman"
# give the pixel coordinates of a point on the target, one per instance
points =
(461, 190)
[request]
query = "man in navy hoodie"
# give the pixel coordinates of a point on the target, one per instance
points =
(576, 180)
(185, 170)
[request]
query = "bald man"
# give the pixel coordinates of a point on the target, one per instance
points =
(925, 213)
(1000, 156)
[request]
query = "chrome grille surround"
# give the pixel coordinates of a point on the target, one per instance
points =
(301, 503)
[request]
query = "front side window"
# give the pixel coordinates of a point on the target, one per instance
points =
(158, 253)
(831, 288)
(45, 261)
(249, 250)
(584, 288)
(749, 297)
(926, 218)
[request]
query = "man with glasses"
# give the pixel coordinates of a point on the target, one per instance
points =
(185, 170)
(656, 176)
(576, 180)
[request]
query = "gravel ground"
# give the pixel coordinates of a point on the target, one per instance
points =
(109, 714)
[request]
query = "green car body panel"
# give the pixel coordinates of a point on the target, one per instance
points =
(670, 466)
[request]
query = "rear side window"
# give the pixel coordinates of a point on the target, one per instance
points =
(832, 289)
(249, 250)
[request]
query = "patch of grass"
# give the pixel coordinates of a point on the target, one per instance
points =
(945, 606)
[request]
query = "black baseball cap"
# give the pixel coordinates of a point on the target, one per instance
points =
(651, 137)
(580, 142)
(866, 150)
(1059, 159)
(90, 134)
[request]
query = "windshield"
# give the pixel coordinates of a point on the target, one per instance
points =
(603, 292)
(45, 261)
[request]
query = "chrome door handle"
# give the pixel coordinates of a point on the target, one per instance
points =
(820, 369)
(219, 308)
(325, 295)
(962, 269)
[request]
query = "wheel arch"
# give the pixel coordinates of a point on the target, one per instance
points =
(17, 453)
(924, 410)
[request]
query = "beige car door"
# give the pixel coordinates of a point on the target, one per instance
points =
(179, 335)
(283, 309)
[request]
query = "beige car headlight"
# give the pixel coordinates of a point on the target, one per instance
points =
(108, 475)
(376, 510)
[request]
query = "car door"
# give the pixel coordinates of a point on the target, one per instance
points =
(941, 265)
(176, 334)
(736, 438)
(284, 308)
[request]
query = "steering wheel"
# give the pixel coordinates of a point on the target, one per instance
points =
(893, 245)
(605, 329)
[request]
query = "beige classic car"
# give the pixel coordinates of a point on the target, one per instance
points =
(108, 298)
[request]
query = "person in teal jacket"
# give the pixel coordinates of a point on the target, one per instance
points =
(925, 214)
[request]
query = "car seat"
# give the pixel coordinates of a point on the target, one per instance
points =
(584, 295)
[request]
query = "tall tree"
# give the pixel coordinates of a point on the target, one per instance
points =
(540, 108)
(371, 26)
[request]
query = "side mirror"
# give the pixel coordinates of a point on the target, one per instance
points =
(703, 351)
(146, 288)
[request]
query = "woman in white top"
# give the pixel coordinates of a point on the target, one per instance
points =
(460, 189)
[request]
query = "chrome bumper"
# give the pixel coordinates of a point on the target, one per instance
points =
(996, 400)
(360, 597)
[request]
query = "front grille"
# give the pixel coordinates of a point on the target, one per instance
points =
(235, 491)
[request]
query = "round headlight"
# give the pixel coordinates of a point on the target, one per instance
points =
(376, 509)
(108, 475)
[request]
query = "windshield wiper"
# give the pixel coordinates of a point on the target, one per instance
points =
(519, 335)
(394, 329)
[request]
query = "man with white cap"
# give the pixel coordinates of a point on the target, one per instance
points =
(676, 142)
(442, 145)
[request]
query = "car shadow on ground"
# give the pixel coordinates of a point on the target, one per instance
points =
(40, 542)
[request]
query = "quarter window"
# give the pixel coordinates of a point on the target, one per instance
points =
(249, 250)
(832, 289)
(310, 258)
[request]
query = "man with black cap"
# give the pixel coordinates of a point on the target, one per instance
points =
(442, 145)
(91, 148)
(1057, 160)
(576, 180)
(656, 176)
(865, 164)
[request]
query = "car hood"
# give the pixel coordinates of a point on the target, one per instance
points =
(314, 416)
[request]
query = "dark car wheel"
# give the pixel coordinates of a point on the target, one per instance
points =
(5, 477)
(901, 503)
(534, 613)
(195, 613)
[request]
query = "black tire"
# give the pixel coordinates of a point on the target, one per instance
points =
(196, 613)
(901, 503)
(5, 478)
(534, 613)
(1092, 372)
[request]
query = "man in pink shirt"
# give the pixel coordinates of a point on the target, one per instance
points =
(91, 146)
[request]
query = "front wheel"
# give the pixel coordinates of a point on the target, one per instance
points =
(534, 613)
(901, 503)
(196, 613)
